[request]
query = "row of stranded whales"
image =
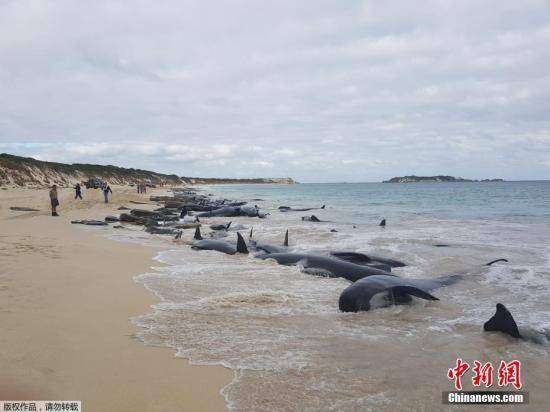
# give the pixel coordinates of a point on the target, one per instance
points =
(371, 275)
(389, 289)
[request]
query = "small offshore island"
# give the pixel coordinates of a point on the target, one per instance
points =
(435, 179)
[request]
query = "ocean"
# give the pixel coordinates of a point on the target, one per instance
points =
(281, 333)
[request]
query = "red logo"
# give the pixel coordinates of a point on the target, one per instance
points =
(508, 373)
(457, 372)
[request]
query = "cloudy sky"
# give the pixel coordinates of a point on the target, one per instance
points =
(319, 90)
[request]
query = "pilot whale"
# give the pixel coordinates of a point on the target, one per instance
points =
(357, 297)
(221, 245)
(502, 321)
(361, 258)
(292, 209)
(268, 248)
(325, 265)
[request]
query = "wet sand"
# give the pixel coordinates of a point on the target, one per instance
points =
(66, 296)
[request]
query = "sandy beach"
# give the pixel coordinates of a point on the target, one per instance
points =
(66, 296)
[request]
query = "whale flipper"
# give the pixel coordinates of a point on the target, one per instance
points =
(241, 245)
(285, 243)
(411, 290)
(198, 235)
(502, 321)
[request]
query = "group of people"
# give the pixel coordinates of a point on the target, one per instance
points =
(54, 200)
(141, 188)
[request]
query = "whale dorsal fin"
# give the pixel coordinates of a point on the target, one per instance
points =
(251, 229)
(411, 290)
(197, 234)
(285, 243)
(241, 245)
(502, 321)
(314, 218)
(322, 207)
(382, 222)
(228, 225)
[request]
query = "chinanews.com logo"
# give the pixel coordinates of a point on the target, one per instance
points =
(508, 375)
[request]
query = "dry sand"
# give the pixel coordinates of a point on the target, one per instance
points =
(66, 296)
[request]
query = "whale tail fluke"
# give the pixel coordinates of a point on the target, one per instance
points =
(241, 245)
(502, 321)
(198, 235)
(285, 243)
(495, 261)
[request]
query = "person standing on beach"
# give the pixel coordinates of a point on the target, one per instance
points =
(53, 200)
(78, 191)
(106, 190)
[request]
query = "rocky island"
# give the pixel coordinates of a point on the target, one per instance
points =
(435, 179)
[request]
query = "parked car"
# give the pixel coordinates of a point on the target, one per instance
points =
(94, 183)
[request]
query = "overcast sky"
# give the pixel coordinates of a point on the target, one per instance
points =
(317, 90)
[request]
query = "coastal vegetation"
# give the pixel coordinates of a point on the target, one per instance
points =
(26, 171)
(433, 179)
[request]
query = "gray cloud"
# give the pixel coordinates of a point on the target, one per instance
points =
(318, 90)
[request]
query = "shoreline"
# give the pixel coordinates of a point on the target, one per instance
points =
(66, 303)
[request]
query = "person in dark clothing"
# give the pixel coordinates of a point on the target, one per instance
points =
(53, 200)
(78, 191)
(106, 190)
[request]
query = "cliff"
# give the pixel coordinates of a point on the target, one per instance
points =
(26, 171)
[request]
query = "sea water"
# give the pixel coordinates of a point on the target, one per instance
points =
(281, 333)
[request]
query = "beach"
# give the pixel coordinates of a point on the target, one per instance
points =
(66, 296)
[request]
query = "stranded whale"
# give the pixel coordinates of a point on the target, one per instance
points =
(502, 321)
(357, 297)
(325, 265)
(220, 245)
(292, 209)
